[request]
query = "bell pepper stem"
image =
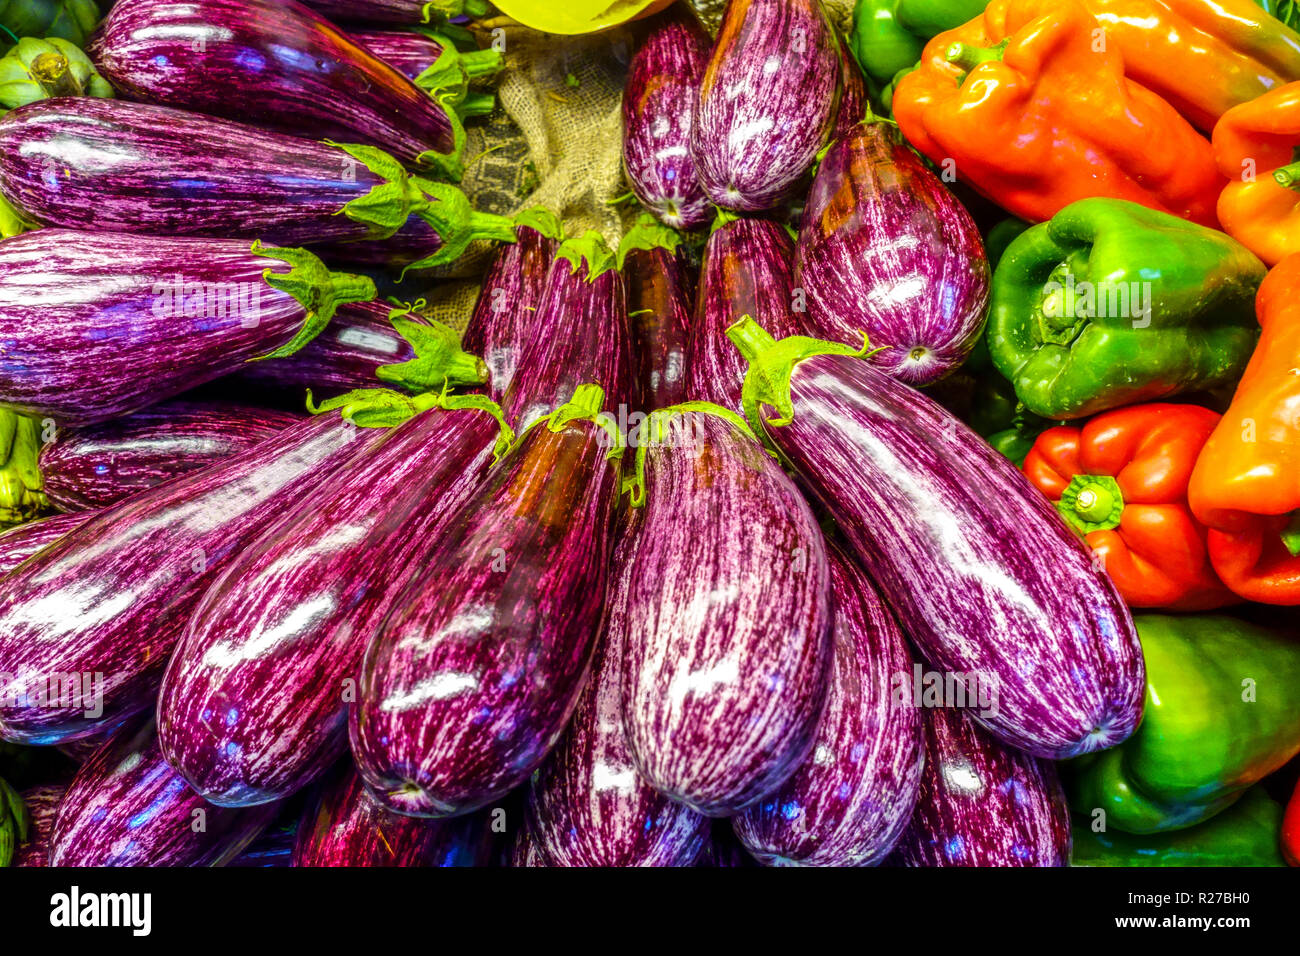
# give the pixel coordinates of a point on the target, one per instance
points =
(967, 57)
(1291, 535)
(1288, 176)
(1091, 503)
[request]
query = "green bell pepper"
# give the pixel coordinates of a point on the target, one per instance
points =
(14, 822)
(1110, 303)
(21, 495)
(1222, 712)
(69, 19)
(1288, 11)
(888, 35)
(1243, 835)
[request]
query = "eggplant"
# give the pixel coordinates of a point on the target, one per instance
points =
(854, 103)
(127, 807)
(660, 282)
(663, 83)
(850, 801)
(523, 852)
(99, 612)
(279, 64)
(480, 662)
(91, 468)
(768, 102)
(587, 806)
(728, 648)
(114, 166)
(578, 335)
(748, 270)
(42, 807)
(983, 804)
(97, 325)
(434, 64)
(887, 250)
(502, 322)
(995, 591)
(20, 543)
(400, 12)
(345, 826)
(276, 642)
(272, 850)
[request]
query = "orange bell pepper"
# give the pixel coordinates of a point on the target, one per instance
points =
(1246, 484)
(1254, 145)
(1037, 114)
(1121, 481)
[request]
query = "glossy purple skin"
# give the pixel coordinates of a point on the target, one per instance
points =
(480, 662)
(408, 53)
(403, 12)
(20, 543)
(984, 576)
(42, 806)
(578, 335)
(94, 467)
(983, 804)
(768, 102)
(253, 706)
(112, 597)
(127, 807)
(345, 826)
(274, 63)
(663, 84)
(728, 647)
(587, 806)
(88, 329)
(886, 249)
(660, 305)
(853, 94)
(508, 301)
(851, 799)
(524, 852)
(748, 270)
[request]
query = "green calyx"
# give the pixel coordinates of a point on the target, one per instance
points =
(586, 405)
(1291, 535)
(771, 363)
(542, 220)
(438, 11)
(590, 250)
(664, 427)
(15, 822)
(316, 288)
(439, 360)
(724, 218)
(648, 234)
(1091, 503)
(41, 69)
(21, 487)
(448, 78)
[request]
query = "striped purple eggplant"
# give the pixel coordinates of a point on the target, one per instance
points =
(96, 615)
(988, 583)
(523, 852)
(768, 102)
(983, 804)
(20, 543)
(280, 63)
(115, 166)
(663, 83)
(42, 807)
(660, 282)
(851, 799)
(100, 465)
(276, 642)
(401, 12)
(98, 325)
(480, 662)
(748, 270)
(886, 249)
(853, 93)
(502, 323)
(578, 335)
(434, 64)
(127, 807)
(345, 826)
(587, 806)
(729, 639)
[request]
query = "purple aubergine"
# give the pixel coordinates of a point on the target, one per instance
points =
(502, 323)
(987, 582)
(97, 325)
(729, 639)
(42, 807)
(20, 543)
(851, 799)
(587, 805)
(983, 804)
(578, 335)
(480, 662)
(345, 826)
(272, 850)
(748, 270)
(101, 609)
(435, 65)
(117, 166)
(660, 282)
(768, 102)
(523, 852)
(127, 807)
(278, 638)
(853, 94)
(400, 12)
(663, 83)
(278, 64)
(89, 468)
(887, 250)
